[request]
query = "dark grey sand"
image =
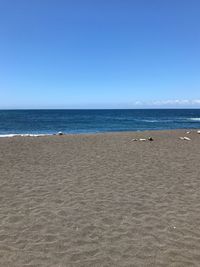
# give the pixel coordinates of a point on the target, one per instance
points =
(100, 200)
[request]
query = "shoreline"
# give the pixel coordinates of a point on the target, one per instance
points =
(95, 133)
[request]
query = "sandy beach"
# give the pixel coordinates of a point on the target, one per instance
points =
(100, 200)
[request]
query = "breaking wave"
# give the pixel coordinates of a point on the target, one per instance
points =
(23, 135)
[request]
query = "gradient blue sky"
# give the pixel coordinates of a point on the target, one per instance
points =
(99, 53)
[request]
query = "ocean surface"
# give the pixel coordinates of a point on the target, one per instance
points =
(94, 121)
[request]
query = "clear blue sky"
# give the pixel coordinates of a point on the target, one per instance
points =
(99, 53)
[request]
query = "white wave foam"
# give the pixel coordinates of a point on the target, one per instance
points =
(194, 119)
(23, 135)
(150, 121)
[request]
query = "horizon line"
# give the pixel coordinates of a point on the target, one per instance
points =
(153, 108)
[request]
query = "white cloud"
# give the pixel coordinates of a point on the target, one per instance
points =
(170, 103)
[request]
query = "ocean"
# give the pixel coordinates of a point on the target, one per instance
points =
(94, 121)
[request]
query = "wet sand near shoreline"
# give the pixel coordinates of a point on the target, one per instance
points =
(100, 200)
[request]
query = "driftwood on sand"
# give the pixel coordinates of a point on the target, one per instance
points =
(185, 138)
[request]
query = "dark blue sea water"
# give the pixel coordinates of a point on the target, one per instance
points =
(93, 121)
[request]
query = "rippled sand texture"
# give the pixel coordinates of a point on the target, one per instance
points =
(100, 200)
